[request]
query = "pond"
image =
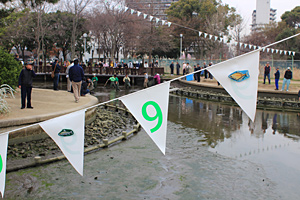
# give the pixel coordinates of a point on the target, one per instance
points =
(213, 152)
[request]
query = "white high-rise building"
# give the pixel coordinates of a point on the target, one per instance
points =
(263, 14)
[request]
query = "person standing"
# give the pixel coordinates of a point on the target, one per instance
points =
(56, 69)
(126, 81)
(76, 76)
(95, 80)
(69, 84)
(145, 80)
(177, 68)
(25, 84)
(205, 71)
(116, 82)
(277, 75)
(198, 73)
(157, 78)
(267, 71)
(288, 75)
(188, 68)
(172, 68)
(183, 68)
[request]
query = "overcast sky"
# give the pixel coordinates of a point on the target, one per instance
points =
(246, 7)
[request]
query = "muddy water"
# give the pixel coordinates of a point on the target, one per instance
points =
(213, 152)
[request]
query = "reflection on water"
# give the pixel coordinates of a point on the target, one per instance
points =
(271, 141)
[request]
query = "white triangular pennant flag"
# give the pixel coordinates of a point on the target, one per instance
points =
(157, 20)
(245, 45)
(221, 39)
(263, 49)
(145, 16)
(151, 111)
(71, 146)
(200, 33)
(225, 40)
(294, 53)
(216, 37)
(3, 155)
(163, 22)
(210, 36)
(126, 8)
(205, 35)
(169, 24)
(290, 52)
(138, 13)
(285, 52)
(277, 50)
(151, 17)
(250, 46)
(280, 52)
(245, 91)
(241, 44)
(272, 50)
(132, 11)
(254, 47)
(268, 49)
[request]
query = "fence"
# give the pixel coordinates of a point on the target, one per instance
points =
(281, 64)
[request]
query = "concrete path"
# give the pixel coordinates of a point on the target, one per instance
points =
(47, 104)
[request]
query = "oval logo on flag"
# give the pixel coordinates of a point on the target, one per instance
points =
(239, 75)
(1, 164)
(66, 132)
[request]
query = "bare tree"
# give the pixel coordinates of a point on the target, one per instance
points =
(76, 7)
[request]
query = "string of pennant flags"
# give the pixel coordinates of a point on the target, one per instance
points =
(238, 76)
(209, 36)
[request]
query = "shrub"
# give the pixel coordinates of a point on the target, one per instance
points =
(9, 69)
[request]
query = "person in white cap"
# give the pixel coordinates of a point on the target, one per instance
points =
(288, 75)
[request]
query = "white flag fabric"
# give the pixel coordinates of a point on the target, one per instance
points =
(294, 53)
(272, 50)
(169, 24)
(245, 45)
(157, 20)
(151, 17)
(67, 131)
(131, 11)
(241, 44)
(163, 22)
(3, 155)
(205, 34)
(280, 52)
(150, 109)
(290, 52)
(138, 13)
(268, 50)
(145, 16)
(250, 46)
(245, 70)
(126, 8)
(216, 37)
(200, 33)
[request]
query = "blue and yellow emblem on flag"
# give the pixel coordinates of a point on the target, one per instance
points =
(239, 75)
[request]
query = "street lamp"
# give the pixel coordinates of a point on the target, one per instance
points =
(84, 51)
(181, 35)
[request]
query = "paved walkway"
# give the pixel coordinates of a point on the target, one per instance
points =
(47, 104)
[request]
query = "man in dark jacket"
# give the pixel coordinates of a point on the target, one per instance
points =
(25, 84)
(177, 68)
(288, 75)
(277, 75)
(267, 71)
(76, 76)
(172, 68)
(56, 69)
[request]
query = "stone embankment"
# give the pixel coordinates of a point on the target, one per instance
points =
(109, 125)
(268, 103)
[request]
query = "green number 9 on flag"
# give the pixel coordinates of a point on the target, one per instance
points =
(158, 115)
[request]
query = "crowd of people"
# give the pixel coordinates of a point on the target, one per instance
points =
(80, 85)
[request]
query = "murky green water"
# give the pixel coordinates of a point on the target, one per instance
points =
(213, 152)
